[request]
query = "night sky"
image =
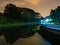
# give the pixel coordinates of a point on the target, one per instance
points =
(42, 6)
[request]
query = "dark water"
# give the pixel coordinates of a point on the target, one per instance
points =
(47, 42)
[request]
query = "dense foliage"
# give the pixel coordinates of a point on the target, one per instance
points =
(55, 15)
(18, 22)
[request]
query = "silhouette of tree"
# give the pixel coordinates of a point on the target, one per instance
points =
(27, 14)
(1, 32)
(10, 11)
(0, 13)
(55, 15)
(20, 14)
(2, 18)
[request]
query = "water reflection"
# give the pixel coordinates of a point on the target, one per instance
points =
(47, 42)
(36, 39)
(24, 31)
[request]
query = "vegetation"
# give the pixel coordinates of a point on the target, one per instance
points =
(13, 14)
(55, 15)
(21, 22)
(18, 22)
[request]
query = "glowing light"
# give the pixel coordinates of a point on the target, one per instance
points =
(47, 20)
(43, 22)
(52, 23)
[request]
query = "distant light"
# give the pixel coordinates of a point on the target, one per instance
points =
(50, 19)
(43, 22)
(49, 23)
(52, 23)
(47, 20)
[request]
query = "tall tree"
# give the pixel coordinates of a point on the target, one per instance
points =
(55, 15)
(21, 13)
(28, 14)
(10, 11)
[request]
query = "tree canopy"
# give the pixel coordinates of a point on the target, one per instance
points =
(18, 22)
(55, 15)
(21, 13)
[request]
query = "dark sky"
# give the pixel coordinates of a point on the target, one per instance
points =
(42, 6)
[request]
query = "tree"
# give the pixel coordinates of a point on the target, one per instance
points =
(55, 15)
(2, 18)
(10, 11)
(26, 15)
(20, 13)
